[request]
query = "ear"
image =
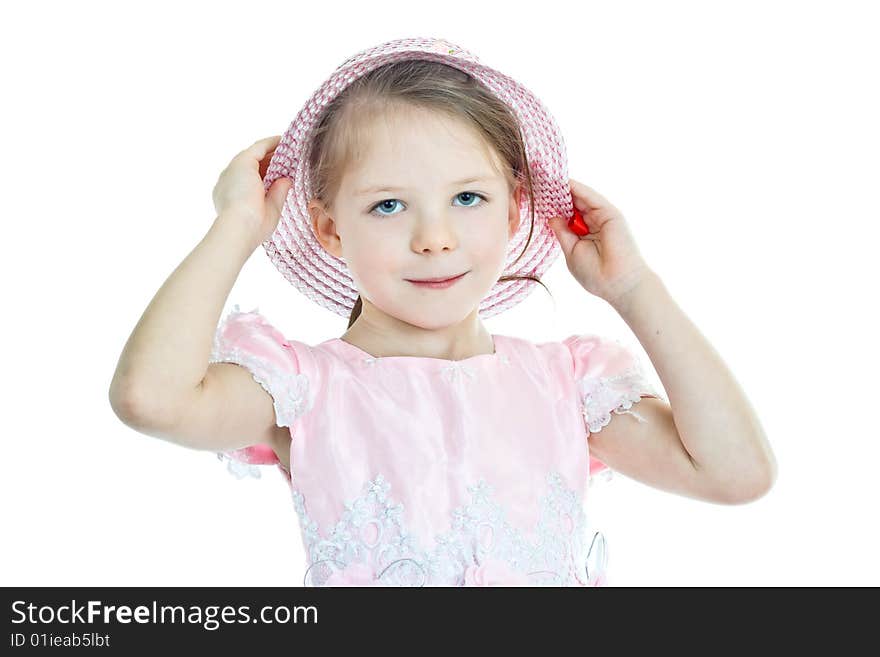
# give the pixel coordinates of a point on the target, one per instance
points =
(324, 227)
(513, 217)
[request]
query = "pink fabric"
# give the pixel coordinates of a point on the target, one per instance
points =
(389, 454)
(492, 573)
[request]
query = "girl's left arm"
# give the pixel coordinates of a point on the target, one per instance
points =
(715, 421)
(707, 442)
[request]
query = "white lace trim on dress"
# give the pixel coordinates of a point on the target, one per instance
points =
(289, 390)
(601, 396)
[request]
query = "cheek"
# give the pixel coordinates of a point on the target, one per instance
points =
(370, 259)
(490, 244)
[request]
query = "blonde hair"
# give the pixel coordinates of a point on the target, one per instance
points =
(340, 134)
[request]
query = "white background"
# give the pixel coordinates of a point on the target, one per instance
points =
(739, 139)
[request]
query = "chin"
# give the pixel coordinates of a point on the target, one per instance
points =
(428, 316)
(436, 320)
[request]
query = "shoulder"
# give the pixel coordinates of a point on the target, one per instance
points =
(547, 360)
(588, 359)
(560, 356)
(288, 369)
(594, 355)
(526, 354)
(250, 334)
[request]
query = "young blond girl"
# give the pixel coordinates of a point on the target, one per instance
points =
(419, 448)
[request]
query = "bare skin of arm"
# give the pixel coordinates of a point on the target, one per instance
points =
(164, 385)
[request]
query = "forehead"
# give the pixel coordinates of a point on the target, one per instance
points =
(412, 142)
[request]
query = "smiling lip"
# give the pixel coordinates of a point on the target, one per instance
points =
(437, 282)
(434, 280)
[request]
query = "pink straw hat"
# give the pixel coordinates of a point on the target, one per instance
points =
(326, 279)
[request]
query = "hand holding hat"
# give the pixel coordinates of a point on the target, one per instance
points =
(605, 260)
(241, 196)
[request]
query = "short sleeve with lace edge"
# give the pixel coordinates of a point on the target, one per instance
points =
(249, 340)
(609, 378)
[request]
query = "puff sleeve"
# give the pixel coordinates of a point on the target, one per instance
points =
(249, 340)
(609, 378)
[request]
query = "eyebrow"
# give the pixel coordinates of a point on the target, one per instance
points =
(385, 188)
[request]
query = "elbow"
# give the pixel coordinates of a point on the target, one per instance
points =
(769, 470)
(126, 402)
(136, 406)
(756, 477)
(753, 489)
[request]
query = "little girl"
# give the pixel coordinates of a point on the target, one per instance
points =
(419, 448)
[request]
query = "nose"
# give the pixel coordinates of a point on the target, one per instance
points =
(435, 233)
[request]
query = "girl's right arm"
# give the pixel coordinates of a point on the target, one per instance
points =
(164, 385)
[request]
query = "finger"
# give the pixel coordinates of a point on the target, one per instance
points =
(584, 193)
(259, 148)
(567, 239)
(263, 151)
(266, 142)
(277, 194)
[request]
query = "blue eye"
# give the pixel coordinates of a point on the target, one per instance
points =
(471, 195)
(381, 203)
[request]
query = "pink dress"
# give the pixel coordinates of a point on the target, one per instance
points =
(409, 471)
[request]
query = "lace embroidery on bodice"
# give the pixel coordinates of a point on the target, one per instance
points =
(457, 371)
(371, 545)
